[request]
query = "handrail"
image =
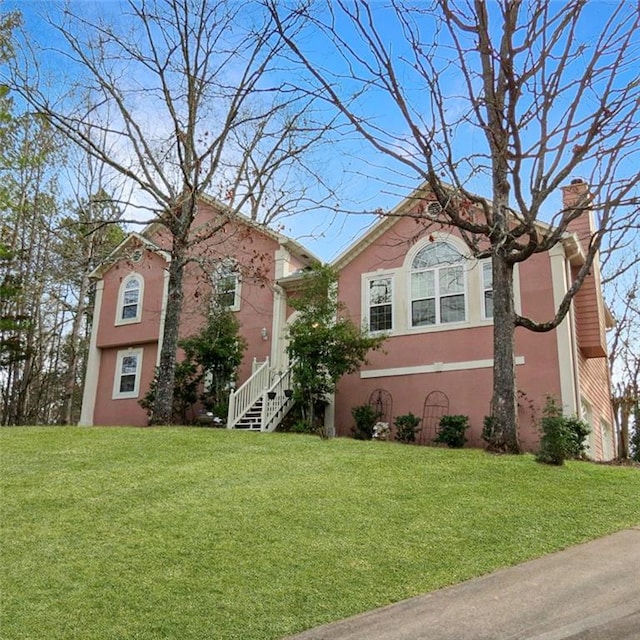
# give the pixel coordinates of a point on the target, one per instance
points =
(277, 400)
(243, 398)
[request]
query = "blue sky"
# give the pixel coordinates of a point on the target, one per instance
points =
(324, 232)
(369, 184)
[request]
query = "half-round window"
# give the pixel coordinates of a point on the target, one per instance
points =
(130, 301)
(437, 285)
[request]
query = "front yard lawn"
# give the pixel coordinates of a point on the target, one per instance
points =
(192, 533)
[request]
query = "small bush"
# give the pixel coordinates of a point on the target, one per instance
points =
(185, 392)
(562, 438)
(407, 427)
(578, 432)
(451, 431)
(488, 429)
(634, 441)
(365, 417)
(300, 426)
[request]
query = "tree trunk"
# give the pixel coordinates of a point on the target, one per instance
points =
(74, 352)
(163, 401)
(623, 409)
(504, 407)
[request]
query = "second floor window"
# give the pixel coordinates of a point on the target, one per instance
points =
(380, 292)
(437, 286)
(227, 286)
(487, 290)
(130, 300)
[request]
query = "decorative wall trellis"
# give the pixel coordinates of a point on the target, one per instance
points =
(382, 401)
(436, 405)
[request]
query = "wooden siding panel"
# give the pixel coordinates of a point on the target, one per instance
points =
(595, 385)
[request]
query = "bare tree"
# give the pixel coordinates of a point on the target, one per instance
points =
(28, 209)
(624, 354)
(84, 237)
(186, 97)
(509, 98)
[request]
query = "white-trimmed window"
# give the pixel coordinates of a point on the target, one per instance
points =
(608, 447)
(226, 284)
(487, 289)
(437, 286)
(126, 383)
(587, 416)
(380, 303)
(130, 299)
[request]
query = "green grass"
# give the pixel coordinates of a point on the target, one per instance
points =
(114, 533)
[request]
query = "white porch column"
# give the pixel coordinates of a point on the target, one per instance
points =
(564, 332)
(93, 364)
(278, 359)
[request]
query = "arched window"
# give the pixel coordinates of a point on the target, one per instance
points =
(437, 286)
(130, 300)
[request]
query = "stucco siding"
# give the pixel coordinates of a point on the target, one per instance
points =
(122, 411)
(455, 359)
(151, 269)
(244, 248)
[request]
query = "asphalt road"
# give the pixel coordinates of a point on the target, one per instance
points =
(587, 592)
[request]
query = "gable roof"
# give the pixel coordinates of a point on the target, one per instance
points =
(569, 240)
(290, 244)
(134, 239)
(378, 228)
(294, 247)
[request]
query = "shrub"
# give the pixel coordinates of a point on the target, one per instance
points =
(578, 432)
(365, 417)
(324, 345)
(451, 431)
(407, 427)
(293, 422)
(635, 439)
(185, 392)
(488, 429)
(562, 438)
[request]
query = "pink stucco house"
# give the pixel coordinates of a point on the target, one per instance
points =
(240, 259)
(412, 282)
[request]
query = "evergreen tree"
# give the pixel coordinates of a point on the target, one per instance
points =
(324, 344)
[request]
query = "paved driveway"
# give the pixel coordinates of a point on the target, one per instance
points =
(587, 592)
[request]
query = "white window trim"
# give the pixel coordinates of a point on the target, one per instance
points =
(367, 301)
(120, 395)
(216, 276)
(465, 286)
(607, 440)
(483, 290)
(586, 414)
(401, 301)
(138, 317)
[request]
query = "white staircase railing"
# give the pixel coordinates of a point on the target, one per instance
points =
(243, 398)
(277, 401)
